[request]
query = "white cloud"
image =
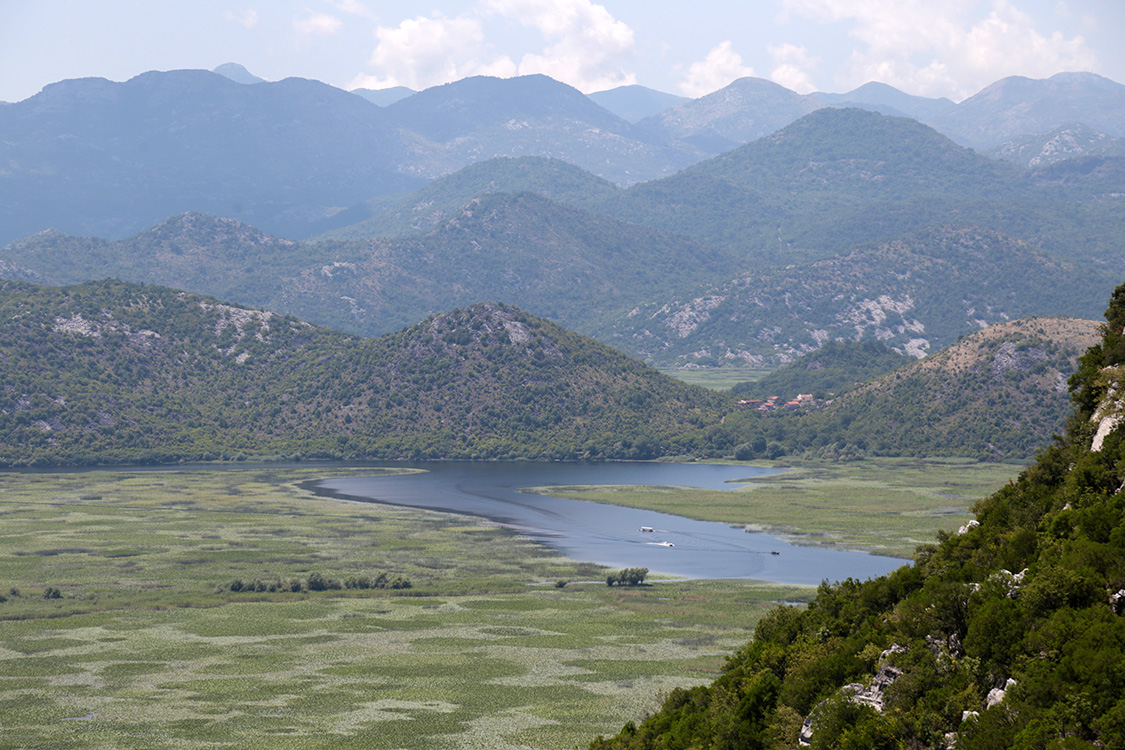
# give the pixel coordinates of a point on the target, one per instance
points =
(585, 43)
(354, 7)
(1007, 42)
(944, 48)
(248, 18)
(722, 66)
(428, 51)
(317, 24)
(793, 66)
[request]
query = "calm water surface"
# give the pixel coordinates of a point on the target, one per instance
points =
(608, 534)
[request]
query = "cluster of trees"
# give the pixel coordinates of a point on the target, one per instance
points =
(1010, 633)
(627, 577)
(319, 582)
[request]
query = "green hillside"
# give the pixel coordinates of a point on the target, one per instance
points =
(997, 394)
(838, 178)
(443, 198)
(108, 372)
(1008, 633)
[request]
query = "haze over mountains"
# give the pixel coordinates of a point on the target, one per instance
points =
(835, 223)
(846, 224)
(89, 156)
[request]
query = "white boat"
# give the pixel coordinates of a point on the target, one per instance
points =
(647, 529)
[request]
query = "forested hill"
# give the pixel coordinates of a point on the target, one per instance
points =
(1009, 633)
(996, 394)
(109, 372)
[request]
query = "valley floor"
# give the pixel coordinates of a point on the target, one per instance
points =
(121, 630)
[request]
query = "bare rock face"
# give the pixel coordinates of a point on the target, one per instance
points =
(996, 695)
(872, 695)
(1111, 411)
(1012, 580)
(869, 695)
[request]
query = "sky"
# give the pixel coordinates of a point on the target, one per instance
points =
(934, 48)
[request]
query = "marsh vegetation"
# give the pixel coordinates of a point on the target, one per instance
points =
(146, 646)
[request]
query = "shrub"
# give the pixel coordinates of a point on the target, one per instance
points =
(627, 577)
(318, 582)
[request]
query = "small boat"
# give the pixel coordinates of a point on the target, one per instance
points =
(647, 529)
(774, 552)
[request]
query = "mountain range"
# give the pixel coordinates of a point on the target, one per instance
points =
(89, 156)
(556, 261)
(846, 224)
(916, 293)
(1070, 141)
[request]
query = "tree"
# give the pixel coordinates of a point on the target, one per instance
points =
(627, 577)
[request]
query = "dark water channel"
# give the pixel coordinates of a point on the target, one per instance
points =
(609, 534)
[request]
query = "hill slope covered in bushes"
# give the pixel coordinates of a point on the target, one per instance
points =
(1009, 633)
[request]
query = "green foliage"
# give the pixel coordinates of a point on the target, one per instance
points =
(1020, 601)
(627, 577)
(317, 581)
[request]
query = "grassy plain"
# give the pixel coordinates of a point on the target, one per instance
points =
(146, 646)
(885, 505)
(717, 378)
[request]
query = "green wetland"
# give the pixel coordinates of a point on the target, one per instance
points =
(141, 643)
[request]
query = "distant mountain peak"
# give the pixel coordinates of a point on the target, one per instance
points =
(1017, 105)
(634, 103)
(743, 111)
(237, 73)
(192, 227)
(886, 99)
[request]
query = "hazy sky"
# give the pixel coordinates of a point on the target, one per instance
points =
(928, 47)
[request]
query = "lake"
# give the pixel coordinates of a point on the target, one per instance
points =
(608, 534)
